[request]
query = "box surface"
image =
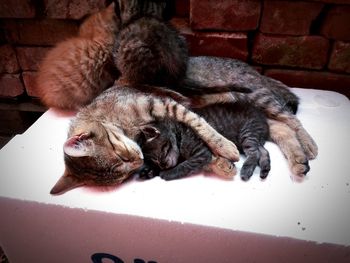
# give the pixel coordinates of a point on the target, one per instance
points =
(197, 219)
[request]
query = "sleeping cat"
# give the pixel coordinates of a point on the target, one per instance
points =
(101, 147)
(143, 57)
(148, 50)
(174, 151)
(269, 95)
(80, 68)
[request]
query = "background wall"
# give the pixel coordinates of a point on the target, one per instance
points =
(302, 43)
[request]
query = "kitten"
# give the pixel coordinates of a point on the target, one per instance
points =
(176, 151)
(80, 68)
(101, 147)
(149, 50)
(269, 95)
(136, 60)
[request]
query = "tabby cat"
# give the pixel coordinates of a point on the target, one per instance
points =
(101, 147)
(140, 50)
(269, 95)
(80, 68)
(174, 151)
(148, 50)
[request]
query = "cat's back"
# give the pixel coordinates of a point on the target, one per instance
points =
(230, 119)
(70, 74)
(151, 51)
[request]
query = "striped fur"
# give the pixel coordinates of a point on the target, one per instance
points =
(176, 151)
(80, 68)
(149, 50)
(102, 136)
(269, 95)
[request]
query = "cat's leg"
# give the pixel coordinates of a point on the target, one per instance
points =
(251, 150)
(194, 162)
(216, 142)
(287, 140)
(306, 141)
(264, 162)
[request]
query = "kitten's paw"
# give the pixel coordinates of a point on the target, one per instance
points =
(264, 170)
(247, 172)
(228, 150)
(148, 172)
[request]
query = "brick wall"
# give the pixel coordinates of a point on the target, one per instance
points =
(302, 43)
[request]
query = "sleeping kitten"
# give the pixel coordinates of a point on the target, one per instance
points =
(101, 149)
(80, 68)
(176, 151)
(269, 95)
(149, 50)
(136, 59)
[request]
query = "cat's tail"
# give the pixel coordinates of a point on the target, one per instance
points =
(190, 87)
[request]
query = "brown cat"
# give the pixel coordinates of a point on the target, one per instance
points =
(100, 148)
(80, 68)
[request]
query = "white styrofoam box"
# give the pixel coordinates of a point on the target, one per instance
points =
(201, 218)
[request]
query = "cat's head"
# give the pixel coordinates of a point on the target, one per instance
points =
(133, 9)
(159, 145)
(98, 154)
(102, 25)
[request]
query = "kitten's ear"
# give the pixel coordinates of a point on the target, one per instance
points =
(150, 133)
(79, 145)
(65, 183)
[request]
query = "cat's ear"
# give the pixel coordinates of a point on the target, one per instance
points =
(79, 145)
(65, 183)
(150, 133)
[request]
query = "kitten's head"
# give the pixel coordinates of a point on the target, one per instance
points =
(102, 25)
(97, 154)
(134, 9)
(159, 145)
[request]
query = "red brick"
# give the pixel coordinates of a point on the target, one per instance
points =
(10, 85)
(336, 25)
(305, 52)
(2, 35)
(72, 9)
(227, 15)
(182, 8)
(333, 1)
(29, 58)
(17, 9)
(8, 59)
(39, 32)
(312, 79)
(29, 79)
(340, 57)
(291, 18)
(234, 45)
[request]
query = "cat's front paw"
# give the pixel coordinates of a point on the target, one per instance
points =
(222, 167)
(147, 172)
(228, 150)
